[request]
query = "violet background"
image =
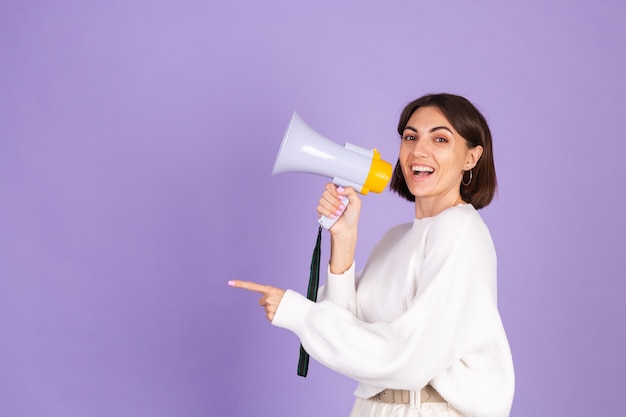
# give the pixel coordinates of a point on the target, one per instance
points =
(137, 140)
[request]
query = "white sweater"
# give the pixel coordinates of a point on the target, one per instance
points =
(423, 310)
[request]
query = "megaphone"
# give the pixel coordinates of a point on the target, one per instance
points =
(305, 150)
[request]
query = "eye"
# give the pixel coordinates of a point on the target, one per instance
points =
(441, 140)
(408, 137)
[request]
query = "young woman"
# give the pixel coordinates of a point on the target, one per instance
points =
(418, 327)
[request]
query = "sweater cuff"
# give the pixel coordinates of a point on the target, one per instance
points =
(292, 311)
(340, 289)
(349, 272)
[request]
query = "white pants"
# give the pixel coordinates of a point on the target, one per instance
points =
(372, 408)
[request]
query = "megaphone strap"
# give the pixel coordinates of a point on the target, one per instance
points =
(311, 294)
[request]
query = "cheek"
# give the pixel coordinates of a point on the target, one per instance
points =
(406, 153)
(403, 154)
(458, 158)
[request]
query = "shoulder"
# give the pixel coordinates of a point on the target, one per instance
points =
(460, 225)
(458, 219)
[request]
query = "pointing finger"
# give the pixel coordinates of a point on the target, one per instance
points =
(250, 286)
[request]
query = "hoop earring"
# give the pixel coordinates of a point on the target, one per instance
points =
(470, 178)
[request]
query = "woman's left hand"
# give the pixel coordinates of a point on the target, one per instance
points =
(271, 296)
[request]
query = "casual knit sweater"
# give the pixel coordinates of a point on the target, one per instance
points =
(423, 311)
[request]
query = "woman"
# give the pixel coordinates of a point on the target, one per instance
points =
(418, 328)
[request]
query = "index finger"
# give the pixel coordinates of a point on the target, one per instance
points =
(249, 285)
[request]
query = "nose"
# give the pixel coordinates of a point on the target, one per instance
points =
(420, 148)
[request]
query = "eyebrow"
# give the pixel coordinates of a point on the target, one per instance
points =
(434, 129)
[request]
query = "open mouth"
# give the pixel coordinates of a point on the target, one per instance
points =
(422, 171)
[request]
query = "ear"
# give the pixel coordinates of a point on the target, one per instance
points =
(473, 155)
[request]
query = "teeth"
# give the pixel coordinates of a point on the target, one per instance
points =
(419, 168)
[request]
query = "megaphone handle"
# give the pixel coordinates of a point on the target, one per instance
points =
(327, 222)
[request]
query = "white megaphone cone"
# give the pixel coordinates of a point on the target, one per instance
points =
(305, 150)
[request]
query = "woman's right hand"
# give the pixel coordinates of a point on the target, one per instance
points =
(344, 232)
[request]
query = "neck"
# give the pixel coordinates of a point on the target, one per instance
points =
(432, 207)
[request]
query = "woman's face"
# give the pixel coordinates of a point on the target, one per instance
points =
(433, 157)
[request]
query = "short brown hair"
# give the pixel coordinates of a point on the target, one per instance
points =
(471, 124)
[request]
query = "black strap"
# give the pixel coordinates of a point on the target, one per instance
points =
(311, 294)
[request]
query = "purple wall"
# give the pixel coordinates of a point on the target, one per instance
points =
(137, 140)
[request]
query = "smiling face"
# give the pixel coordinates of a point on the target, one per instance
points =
(433, 157)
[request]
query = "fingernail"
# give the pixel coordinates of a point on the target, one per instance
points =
(231, 283)
(338, 213)
(342, 208)
(340, 189)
